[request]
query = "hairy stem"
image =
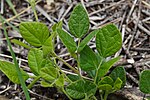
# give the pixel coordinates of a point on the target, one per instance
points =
(72, 68)
(105, 95)
(95, 79)
(33, 82)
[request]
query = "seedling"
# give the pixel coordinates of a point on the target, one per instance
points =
(42, 57)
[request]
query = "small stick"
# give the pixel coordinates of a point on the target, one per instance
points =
(132, 8)
(2, 6)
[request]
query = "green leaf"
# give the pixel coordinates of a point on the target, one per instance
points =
(67, 40)
(78, 89)
(57, 25)
(79, 21)
(20, 43)
(104, 68)
(88, 59)
(117, 84)
(49, 73)
(10, 71)
(144, 82)
(46, 63)
(46, 84)
(73, 77)
(47, 47)
(106, 80)
(105, 87)
(60, 81)
(35, 33)
(35, 56)
(148, 98)
(108, 40)
(86, 40)
(119, 72)
(91, 73)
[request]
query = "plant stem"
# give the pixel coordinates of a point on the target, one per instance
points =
(35, 14)
(97, 71)
(64, 74)
(66, 93)
(33, 4)
(33, 82)
(72, 68)
(78, 60)
(105, 95)
(16, 64)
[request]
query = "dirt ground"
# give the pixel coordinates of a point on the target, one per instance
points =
(132, 17)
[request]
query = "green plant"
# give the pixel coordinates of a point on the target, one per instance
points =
(43, 64)
(12, 71)
(144, 82)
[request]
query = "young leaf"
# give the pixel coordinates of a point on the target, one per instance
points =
(49, 73)
(60, 81)
(86, 40)
(20, 43)
(9, 70)
(104, 68)
(106, 80)
(105, 87)
(57, 25)
(35, 57)
(117, 84)
(144, 82)
(119, 72)
(79, 21)
(47, 47)
(108, 40)
(35, 33)
(46, 84)
(88, 59)
(78, 89)
(67, 40)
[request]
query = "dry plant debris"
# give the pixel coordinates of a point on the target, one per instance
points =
(131, 16)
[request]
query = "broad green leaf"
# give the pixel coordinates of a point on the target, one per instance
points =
(119, 72)
(108, 40)
(35, 33)
(67, 40)
(9, 70)
(60, 81)
(91, 73)
(144, 82)
(105, 87)
(79, 21)
(20, 43)
(35, 57)
(73, 77)
(78, 89)
(86, 40)
(46, 63)
(104, 68)
(88, 59)
(106, 80)
(47, 47)
(117, 84)
(49, 73)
